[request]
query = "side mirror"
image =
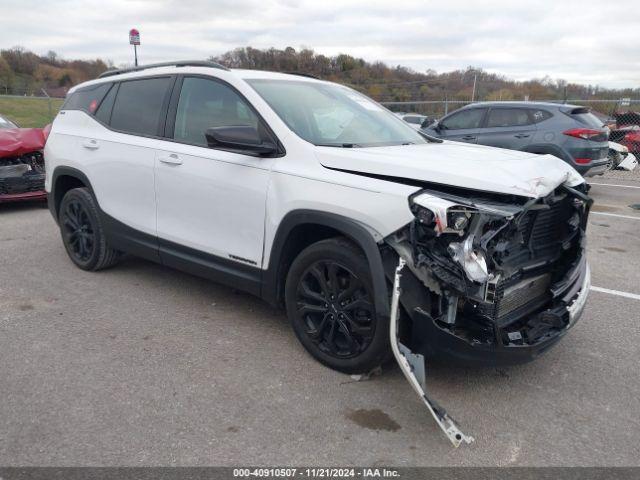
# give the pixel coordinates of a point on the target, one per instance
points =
(426, 122)
(239, 138)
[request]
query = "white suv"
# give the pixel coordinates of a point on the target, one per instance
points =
(309, 194)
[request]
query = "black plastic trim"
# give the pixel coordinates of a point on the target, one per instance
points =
(346, 226)
(205, 265)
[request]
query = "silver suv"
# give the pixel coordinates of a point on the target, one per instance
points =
(569, 132)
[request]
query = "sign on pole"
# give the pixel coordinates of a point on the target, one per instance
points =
(134, 39)
(625, 102)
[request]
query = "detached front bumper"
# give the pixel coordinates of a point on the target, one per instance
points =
(506, 347)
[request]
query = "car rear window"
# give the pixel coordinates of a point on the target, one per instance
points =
(585, 117)
(138, 105)
(87, 99)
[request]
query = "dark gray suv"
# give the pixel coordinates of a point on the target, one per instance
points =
(569, 132)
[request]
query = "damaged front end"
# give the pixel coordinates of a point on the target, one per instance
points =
(22, 171)
(493, 279)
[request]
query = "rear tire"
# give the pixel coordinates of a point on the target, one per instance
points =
(82, 231)
(330, 304)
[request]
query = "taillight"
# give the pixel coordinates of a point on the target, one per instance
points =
(582, 161)
(586, 134)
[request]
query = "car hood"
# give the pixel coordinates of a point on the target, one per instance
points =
(457, 164)
(18, 141)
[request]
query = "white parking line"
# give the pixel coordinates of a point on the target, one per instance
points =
(635, 296)
(615, 215)
(612, 185)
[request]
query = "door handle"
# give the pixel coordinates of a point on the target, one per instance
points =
(468, 137)
(172, 159)
(91, 144)
(522, 135)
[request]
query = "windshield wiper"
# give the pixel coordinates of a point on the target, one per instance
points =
(339, 145)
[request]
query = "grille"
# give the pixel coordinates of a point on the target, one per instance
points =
(516, 295)
(545, 228)
(530, 291)
(31, 181)
(24, 184)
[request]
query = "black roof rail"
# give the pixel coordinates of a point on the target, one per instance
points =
(179, 63)
(302, 74)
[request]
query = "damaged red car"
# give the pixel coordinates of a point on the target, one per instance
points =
(21, 162)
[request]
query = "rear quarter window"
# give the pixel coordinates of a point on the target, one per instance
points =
(87, 99)
(539, 115)
(138, 105)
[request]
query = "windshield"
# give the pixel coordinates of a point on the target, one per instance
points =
(334, 116)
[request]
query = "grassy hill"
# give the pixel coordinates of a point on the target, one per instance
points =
(30, 111)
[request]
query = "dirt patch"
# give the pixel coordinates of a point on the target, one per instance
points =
(604, 208)
(374, 419)
(25, 307)
(615, 249)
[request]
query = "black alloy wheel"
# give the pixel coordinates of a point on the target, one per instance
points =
(78, 230)
(336, 309)
(82, 233)
(330, 303)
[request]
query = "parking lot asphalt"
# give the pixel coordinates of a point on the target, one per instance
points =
(143, 365)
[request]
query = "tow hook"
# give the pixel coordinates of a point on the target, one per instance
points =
(413, 367)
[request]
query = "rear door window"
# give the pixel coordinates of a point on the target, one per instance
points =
(87, 99)
(464, 119)
(138, 106)
(508, 117)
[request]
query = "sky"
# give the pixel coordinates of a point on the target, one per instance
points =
(589, 41)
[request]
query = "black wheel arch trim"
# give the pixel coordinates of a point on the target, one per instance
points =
(271, 285)
(52, 199)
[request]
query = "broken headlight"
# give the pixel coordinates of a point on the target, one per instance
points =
(471, 259)
(440, 217)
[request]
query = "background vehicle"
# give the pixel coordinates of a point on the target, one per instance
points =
(621, 158)
(414, 120)
(629, 136)
(22, 169)
(569, 132)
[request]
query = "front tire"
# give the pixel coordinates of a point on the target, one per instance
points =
(330, 304)
(82, 232)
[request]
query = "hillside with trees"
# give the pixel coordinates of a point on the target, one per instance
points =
(25, 73)
(397, 83)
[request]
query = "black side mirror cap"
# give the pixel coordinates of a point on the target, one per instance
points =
(241, 139)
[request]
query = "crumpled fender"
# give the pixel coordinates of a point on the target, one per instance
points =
(18, 141)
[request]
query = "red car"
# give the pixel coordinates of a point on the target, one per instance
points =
(627, 131)
(21, 162)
